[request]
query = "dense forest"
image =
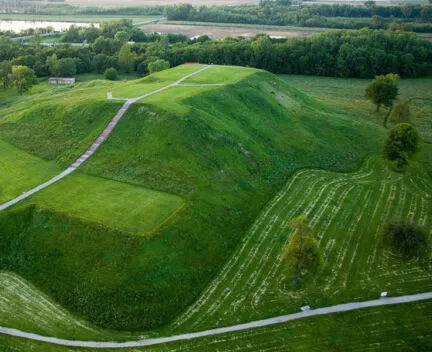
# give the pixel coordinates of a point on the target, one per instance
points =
(363, 53)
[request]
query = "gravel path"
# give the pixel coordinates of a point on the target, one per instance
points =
(96, 144)
(252, 325)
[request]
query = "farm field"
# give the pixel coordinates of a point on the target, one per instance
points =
(135, 3)
(221, 31)
(75, 18)
(234, 164)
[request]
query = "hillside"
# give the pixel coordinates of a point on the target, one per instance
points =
(214, 155)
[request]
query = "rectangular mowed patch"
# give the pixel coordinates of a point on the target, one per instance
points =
(221, 75)
(153, 82)
(112, 204)
(20, 171)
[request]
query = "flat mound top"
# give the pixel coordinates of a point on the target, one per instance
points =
(213, 75)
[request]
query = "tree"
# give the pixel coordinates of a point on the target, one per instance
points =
(370, 4)
(401, 111)
(126, 59)
(301, 254)
(52, 63)
(111, 74)
(23, 78)
(401, 144)
(123, 36)
(406, 237)
(383, 90)
(5, 71)
(158, 65)
(66, 67)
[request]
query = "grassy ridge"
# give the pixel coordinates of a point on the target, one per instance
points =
(226, 151)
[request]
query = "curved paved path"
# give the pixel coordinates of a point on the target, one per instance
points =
(96, 144)
(252, 325)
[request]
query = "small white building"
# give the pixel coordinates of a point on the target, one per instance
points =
(61, 80)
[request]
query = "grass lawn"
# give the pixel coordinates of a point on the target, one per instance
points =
(25, 307)
(85, 77)
(20, 171)
(356, 265)
(113, 204)
(220, 75)
(396, 328)
(347, 96)
(155, 81)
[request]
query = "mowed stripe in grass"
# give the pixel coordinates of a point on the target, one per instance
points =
(20, 171)
(155, 81)
(346, 212)
(24, 307)
(221, 75)
(112, 204)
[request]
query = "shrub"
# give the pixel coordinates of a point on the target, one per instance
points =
(158, 65)
(111, 74)
(408, 238)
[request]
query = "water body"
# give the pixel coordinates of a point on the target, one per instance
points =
(18, 26)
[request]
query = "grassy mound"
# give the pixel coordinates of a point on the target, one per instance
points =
(224, 150)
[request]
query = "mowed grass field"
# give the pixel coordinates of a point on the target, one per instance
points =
(393, 328)
(228, 151)
(113, 204)
(347, 213)
(21, 171)
(348, 96)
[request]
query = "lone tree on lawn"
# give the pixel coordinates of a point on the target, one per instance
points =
(401, 144)
(383, 90)
(408, 238)
(301, 254)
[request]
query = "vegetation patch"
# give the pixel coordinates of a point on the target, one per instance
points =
(113, 204)
(226, 151)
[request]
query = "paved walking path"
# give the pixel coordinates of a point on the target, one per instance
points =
(252, 325)
(96, 144)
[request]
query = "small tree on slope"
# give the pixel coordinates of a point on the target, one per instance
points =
(401, 144)
(301, 254)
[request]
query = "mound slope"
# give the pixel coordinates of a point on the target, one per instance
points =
(225, 151)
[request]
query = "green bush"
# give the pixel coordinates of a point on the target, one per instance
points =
(111, 74)
(406, 237)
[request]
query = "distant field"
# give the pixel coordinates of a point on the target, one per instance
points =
(361, 2)
(74, 18)
(223, 30)
(135, 3)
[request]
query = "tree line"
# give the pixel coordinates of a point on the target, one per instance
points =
(414, 18)
(364, 53)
